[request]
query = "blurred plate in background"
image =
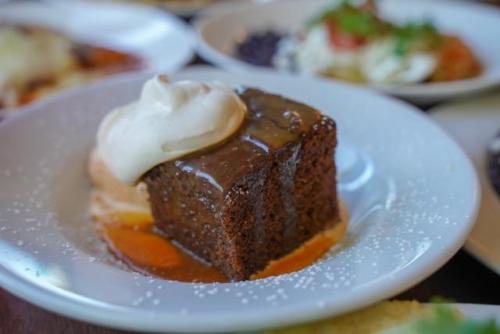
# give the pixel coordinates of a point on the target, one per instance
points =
(162, 40)
(476, 24)
(159, 41)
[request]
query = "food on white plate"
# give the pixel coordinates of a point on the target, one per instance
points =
(201, 182)
(37, 61)
(352, 42)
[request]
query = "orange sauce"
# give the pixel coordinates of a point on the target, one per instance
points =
(311, 251)
(131, 237)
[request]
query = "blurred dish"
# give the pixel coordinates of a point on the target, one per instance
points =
(352, 42)
(47, 47)
(36, 61)
(475, 124)
(405, 222)
(395, 60)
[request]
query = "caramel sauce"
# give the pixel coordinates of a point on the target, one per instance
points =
(311, 251)
(272, 122)
(132, 238)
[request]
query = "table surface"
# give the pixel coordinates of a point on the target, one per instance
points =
(463, 279)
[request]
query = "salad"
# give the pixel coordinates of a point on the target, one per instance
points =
(353, 42)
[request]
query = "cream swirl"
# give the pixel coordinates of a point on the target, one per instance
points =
(168, 121)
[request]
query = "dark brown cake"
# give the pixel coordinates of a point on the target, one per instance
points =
(255, 197)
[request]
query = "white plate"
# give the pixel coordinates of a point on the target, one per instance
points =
(182, 7)
(227, 6)
(178, 7)
(395, 168)
(474, 124)
(164, 42)
(476, 24)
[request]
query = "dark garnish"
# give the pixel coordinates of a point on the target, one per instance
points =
(259, 48)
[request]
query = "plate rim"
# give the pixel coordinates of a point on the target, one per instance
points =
(363, 296)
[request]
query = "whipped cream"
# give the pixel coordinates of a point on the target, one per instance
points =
(168, 121)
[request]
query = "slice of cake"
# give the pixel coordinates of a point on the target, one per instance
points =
(245, 186)
(256, 197)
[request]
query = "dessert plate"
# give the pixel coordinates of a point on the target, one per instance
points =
(163, 42)
(395, 172)
(474, 124)
(218, 33)
(177, 7)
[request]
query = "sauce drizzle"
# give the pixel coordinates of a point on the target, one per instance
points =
(132, 238)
